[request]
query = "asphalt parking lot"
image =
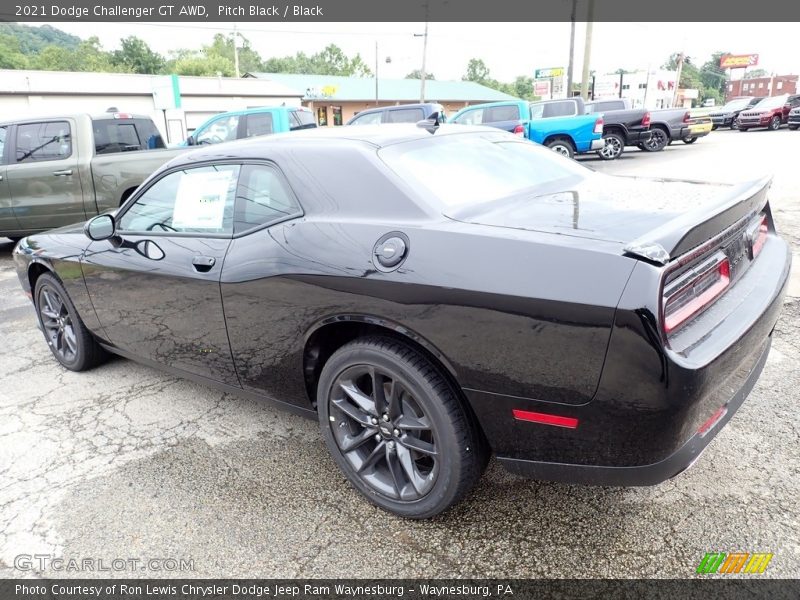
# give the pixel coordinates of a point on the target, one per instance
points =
(126, 462)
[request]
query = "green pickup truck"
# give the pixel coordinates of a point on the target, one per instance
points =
(60, 170)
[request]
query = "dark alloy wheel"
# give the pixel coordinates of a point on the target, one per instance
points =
(689, 140)
(561, 146)
(657, 142)
(775, 123)
(69, 340)
(614, 146)
(735, 122)
(396, 428)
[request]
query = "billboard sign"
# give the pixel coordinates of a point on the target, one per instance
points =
(548, 73)
(738, 61)
(542, 88)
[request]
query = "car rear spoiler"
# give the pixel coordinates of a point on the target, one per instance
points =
(695, 227)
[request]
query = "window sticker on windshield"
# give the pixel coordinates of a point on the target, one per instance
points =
(200, 202)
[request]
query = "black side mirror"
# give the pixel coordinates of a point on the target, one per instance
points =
(101, 227)
(190, 141)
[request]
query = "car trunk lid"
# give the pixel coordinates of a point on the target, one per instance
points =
(650, 219)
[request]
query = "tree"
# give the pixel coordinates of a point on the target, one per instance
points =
(330, 61)
(10, 55)
(713, 77)
(88, 56)
(477, 71)
(137, 57)
(417, 74)
(756, 73)
(690, 75)
(222, 48)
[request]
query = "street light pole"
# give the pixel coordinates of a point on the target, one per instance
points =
(376, 72)
(235, 51)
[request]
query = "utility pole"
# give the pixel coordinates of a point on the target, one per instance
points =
(587, 51)
(376, 72)
(235, 51)
(424, 54)
(571, 48)
(681, 58)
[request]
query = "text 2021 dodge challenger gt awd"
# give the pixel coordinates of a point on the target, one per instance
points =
(433, 296)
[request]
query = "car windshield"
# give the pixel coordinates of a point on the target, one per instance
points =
(464, 170)
(736, 104)
(768, 103)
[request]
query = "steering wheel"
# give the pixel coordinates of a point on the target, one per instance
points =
(163, 226)
(214, 139)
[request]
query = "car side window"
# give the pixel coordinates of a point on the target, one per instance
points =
(560, 109)
(196, 200)
(537, 111)
(43, 141)
(470, 117)
(496, 114)
(405, 115)
(259, 124)
(262, 198)
(222, 130)
(368, 119)
(2, 145)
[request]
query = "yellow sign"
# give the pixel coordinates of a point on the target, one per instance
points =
(738, 61)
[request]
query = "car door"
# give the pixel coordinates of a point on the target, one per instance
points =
(260, 310)
(43, 177)
(8, 222)
(155, 285)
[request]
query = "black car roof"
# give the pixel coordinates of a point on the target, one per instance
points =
(377, 136)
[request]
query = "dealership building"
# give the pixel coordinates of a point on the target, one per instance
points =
(649, 89)
(336, 99)
(177, 104)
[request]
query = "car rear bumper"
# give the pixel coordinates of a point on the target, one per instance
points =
(598, 144)
(637, 137)
(645, 421)
(650, 474)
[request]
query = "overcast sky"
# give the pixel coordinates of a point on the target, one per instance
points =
(508, 49)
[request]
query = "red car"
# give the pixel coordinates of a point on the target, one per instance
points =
(770, 113)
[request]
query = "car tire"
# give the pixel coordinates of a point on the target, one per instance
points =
(714, 127)
(743, 129)
(70, 342)
(775, 123)
(659, 139)
(412, 449)
(614, 146)
(689, 140)
(735, 122)
(561, 146)
(793, 127)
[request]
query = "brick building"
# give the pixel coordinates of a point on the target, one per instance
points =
(762, 86)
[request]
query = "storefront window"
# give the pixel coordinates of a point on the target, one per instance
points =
(337, 115)
(322, 116)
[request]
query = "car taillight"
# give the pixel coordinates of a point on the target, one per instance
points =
(695, 290)
(519, 130)
(646, 120)
(598, 125)
(757, 233)
(687, 117)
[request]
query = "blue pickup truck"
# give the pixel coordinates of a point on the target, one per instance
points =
(561, 125)
(239, 124)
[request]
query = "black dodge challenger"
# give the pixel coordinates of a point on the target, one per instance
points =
(433, 295)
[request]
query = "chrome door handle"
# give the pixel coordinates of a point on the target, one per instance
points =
(63, 172)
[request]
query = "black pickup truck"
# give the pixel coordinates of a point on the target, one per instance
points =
(622, 126)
